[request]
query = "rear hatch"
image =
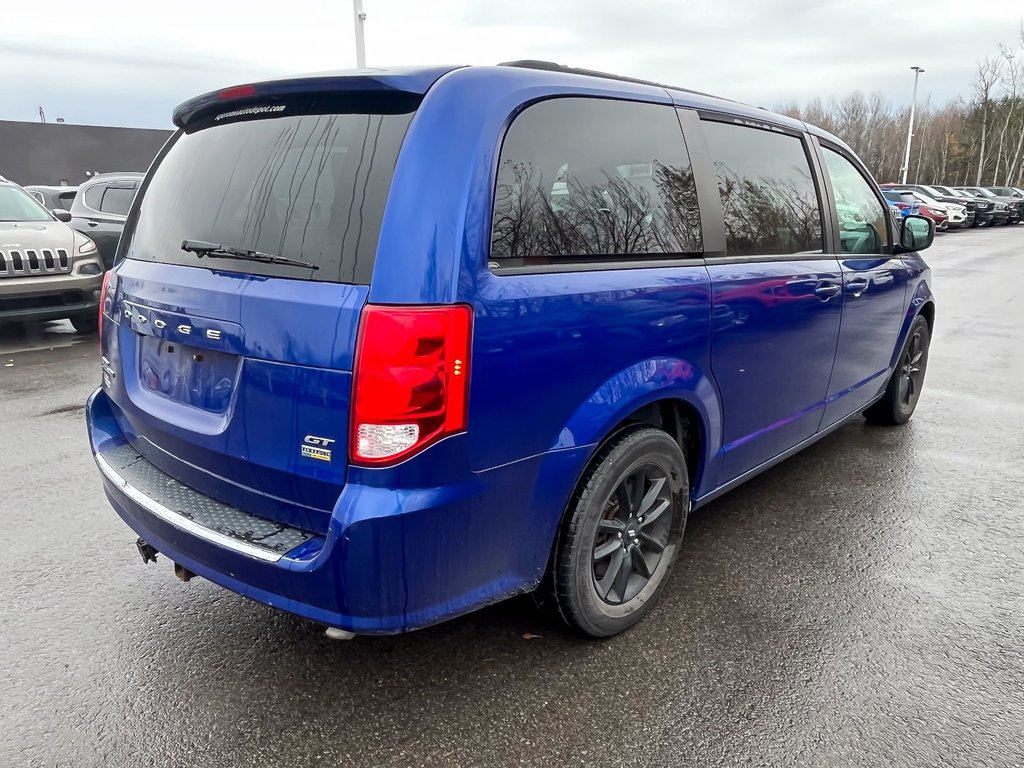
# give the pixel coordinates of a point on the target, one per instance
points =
(234, 375)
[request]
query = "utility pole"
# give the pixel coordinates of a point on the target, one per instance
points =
(910, 129)
(360, 19)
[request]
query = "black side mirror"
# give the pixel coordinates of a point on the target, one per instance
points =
(62, 215)
(916, 233)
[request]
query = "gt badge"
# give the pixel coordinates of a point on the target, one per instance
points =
(318, 448)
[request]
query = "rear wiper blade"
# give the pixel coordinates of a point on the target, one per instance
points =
(200, 249)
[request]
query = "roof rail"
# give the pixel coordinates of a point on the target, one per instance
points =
(551, 66)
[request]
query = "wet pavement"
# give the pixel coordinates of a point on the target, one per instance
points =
(860, 604)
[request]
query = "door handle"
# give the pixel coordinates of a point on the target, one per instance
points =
(826, 291)
(92, 224)
(857, 287)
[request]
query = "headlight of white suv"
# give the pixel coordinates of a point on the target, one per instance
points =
(84, 245)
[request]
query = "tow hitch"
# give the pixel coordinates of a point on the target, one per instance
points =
(147, 550)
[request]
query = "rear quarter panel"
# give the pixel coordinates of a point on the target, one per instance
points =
(558, 358)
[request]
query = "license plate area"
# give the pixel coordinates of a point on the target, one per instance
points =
(202, 378)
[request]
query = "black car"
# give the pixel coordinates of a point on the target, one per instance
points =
(100, 208)
(1015, 205)
(53, 198)
(987, 211)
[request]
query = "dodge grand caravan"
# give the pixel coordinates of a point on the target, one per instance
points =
(384, 347)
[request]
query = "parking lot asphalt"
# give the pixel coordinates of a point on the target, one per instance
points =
(860, 604)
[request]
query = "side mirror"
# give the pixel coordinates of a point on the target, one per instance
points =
(62, 215)
(916, 233)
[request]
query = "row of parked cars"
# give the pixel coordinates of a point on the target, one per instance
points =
(56, 243)
(957, 207)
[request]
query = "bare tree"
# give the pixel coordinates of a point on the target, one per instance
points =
(988, 74)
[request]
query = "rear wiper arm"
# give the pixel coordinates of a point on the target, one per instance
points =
(200, 249)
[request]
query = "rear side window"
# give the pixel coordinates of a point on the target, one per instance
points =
(117, 200)
(94, 196)
(308, 187)
(590, 180)
(769, 201)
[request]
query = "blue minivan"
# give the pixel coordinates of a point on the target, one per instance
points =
(383, 347)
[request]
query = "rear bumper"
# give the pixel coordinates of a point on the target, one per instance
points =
(391, 561)
(48, 297)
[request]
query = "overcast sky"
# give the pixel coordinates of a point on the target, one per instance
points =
(114, 63)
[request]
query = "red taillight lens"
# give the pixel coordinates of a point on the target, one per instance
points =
(236, 92)
(411, 380)
(102, 310)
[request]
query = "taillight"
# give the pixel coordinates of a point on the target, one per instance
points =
(102, 309)
(236, 92)
(411, 380)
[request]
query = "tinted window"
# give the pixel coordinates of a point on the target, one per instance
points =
(592, 177)
(306, 187)
(117, 200)
(65, 200)
(768, 196)
(862, 219)
(94, 196)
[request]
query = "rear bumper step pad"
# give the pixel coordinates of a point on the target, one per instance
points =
(177, 504)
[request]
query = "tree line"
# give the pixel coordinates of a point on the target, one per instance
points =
(977, 141)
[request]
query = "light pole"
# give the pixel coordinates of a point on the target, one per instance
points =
(910, 128)
(360, 20)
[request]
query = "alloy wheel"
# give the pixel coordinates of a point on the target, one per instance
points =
(632, 534)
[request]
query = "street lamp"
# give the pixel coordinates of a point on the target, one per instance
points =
(910, 129)
(360, 20)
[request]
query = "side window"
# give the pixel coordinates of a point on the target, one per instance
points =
(94, 196)
(769, 201)
(66, 199)
(117, 200)
(39, 196)
(862, 219)
(591, 179)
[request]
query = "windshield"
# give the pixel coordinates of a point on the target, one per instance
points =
(933, 191)
(18, 205)
(307, 187)
(927, 200)
(983, 192)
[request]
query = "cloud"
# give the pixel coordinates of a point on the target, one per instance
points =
(132, 65)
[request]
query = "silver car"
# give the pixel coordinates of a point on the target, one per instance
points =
(48, 271)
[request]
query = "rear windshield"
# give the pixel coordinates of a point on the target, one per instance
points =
(305, 187)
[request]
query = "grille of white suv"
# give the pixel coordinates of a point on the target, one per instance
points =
(30, 261)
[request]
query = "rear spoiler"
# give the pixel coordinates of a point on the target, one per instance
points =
(260, 98)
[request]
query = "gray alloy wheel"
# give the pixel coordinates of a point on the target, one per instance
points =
(904, 388)
(622, 534)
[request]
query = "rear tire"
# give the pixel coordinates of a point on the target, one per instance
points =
(621, 535)
(86, 322)
(904, 388)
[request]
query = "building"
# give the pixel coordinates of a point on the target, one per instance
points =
(59, 153)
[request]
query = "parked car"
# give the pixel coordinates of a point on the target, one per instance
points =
(906, 203)
(100, 208)
(52, 198)
(914, 207)
(956, 214)
(1006, 192)
(377, 408)
(969, 205)
(47, 270)
(987, 211)
(1014, 206)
